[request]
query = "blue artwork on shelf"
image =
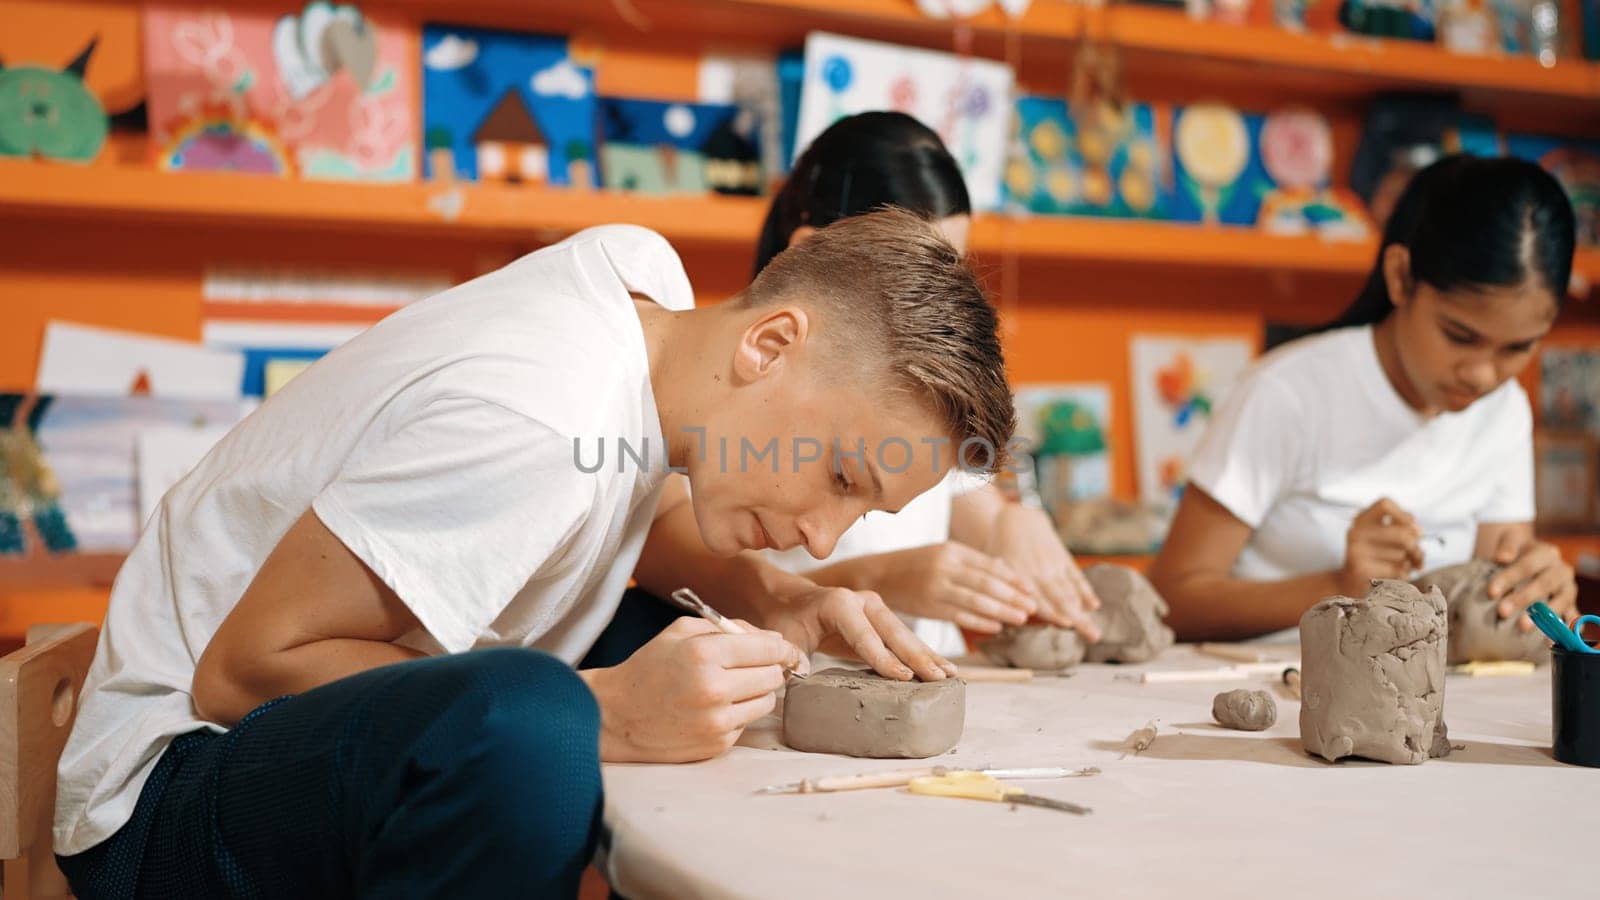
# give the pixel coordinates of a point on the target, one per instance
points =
(1115, 168)
(506, 106)
(663, 147)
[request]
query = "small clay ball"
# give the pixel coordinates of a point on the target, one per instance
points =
(1245, 710)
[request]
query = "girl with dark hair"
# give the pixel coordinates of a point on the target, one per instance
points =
(1397, 440)
(959, 554)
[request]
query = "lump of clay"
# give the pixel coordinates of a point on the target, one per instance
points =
(1245, 710)
(1372, 675)
(1477, 633)
(860, 713)
(1129, 617)
(1034, 647)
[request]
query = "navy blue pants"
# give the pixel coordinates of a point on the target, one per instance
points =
(473, 775)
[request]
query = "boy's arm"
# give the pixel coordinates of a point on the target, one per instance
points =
(746, 586)
(313, 614)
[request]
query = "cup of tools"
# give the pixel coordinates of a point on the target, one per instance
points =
(1575, 694)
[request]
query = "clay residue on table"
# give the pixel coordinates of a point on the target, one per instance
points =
(1245, 710)
(1372, 675)
(860, 713)
(1477, 633)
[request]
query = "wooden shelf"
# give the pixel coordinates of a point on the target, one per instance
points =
(1335, 63)
(540, 215)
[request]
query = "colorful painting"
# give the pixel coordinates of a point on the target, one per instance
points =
(1569, 389)
(1273, 172)
(506, 106)
(967, 101)
(1177, 383)
(1576, 164)
(1065, 427)
(50, 114)
(68, 472)
(325, 93)
(1112, 165)
(660, 147)
(750, 83)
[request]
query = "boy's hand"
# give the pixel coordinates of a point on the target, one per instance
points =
(857, 623)
(1534, 571)
(1026, 539)
(689, 693)
(1382, 543)
(956, 583)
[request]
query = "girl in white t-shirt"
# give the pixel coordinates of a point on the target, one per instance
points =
(1397, 440)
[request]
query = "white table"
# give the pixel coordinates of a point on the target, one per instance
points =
(1204, 812)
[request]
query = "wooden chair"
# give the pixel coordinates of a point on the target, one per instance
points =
(39, 687)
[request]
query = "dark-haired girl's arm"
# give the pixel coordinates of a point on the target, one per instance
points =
(1193, 572)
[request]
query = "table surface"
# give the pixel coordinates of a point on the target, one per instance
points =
(1205, 811)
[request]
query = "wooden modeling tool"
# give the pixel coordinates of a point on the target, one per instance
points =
(901, 777)
(1244, 653)
(691, 601)
(1291, 680)
(1006, 674)
(978, 786)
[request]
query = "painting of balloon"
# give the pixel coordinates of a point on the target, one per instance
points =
(1177, 383)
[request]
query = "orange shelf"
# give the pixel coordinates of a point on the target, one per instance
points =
(543, 214)
(1362, 64)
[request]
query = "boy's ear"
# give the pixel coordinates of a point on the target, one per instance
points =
(767, 341)
(1397, 274)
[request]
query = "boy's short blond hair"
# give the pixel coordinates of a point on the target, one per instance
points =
(893, 294)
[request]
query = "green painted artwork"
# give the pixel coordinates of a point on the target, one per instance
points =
(50, 114)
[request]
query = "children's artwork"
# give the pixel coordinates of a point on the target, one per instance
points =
(506, 106)
(750, 83)
(326, 93)
(1271, 171)
(50, 114)
(1576, 164)
(967, 101)
(68, 465)
(1564, 478)
(1110, 166)
(1177, 383)
(1569, 389)
(262, 344)
(79, 359)
(1065, 428)
(660, 147)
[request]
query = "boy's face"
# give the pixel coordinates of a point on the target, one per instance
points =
(792, 459)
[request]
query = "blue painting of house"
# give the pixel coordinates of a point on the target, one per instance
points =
(658, 147)
(506, 106)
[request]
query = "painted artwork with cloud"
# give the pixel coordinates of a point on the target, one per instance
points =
(322, 93)
(506, 106)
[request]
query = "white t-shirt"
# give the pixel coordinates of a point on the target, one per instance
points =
(923, 521)
(439, 446)
(1316, 432)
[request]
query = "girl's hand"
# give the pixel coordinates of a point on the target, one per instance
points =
(1381, 543)
(1026, 539)
(1534, 571)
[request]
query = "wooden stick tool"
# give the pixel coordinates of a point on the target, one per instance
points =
(902, 777)
(691, 601)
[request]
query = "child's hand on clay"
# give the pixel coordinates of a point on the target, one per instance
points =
(843, 622)
(689, 693)
(956, 583)
(1383, 542)
(1534, 570)
(1025, 538)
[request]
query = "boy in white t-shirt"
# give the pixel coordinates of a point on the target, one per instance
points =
(281, 704)
(1398, 441)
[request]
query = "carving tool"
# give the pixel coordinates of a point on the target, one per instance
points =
(1005, 674)
(1246, 653)
(902, 777)
(1238, 672)
(1291, 680)
(978, 786)
(1478, 669)
(691, 601)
